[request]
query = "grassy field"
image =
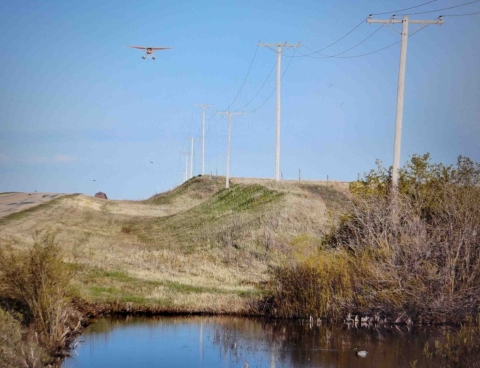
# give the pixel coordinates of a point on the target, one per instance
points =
(198, 248)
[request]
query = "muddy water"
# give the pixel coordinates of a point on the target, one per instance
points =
(242, 342)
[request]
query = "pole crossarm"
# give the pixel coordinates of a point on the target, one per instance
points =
(405, 21)
(411, 21)
(280, 46)
(203, 106)
(229, 113)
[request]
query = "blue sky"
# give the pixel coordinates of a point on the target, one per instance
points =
(77, 105)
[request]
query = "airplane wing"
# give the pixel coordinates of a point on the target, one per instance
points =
(151, 48)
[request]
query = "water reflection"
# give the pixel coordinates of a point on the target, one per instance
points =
(243, 342)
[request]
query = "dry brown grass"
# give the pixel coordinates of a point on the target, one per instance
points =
(18, 348)
(196, 248)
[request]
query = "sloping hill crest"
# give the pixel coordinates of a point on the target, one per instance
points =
(199, 247)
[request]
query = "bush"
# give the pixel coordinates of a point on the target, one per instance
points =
(35, 283)
(428, 232)
(413, 251)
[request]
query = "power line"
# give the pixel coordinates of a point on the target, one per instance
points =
(371, 52)
(437, 10)
(361, 22)
(341, 38)
(358, 44)
(412, 7)
(271, 94)
(245, 80)
(211, 116)
(343, 52)
(459, 15)
(383, 48)
(263, 85)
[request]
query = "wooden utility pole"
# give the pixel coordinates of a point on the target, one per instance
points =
(279, 47)
(229, 113)
(401, 82)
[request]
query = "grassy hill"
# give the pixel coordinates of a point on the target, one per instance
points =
(197, 248)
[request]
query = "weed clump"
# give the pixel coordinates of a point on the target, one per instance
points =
(34, 284)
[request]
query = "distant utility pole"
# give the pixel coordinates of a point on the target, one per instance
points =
(185, 176)
(401, 82)
(203, 106)
(191, 157)
(229, 113)
(280, 47)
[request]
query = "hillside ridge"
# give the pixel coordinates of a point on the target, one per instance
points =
(197, 248)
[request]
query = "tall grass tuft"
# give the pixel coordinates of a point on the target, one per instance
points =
(321, 286)
(330, 282)
(35, 284)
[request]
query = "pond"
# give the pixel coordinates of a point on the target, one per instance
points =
(246, 342)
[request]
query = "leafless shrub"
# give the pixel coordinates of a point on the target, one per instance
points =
(413, 251)
(426, 235)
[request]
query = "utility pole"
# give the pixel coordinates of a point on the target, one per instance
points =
(203, 106)
(280, 47)
(185, 176)
(229, 113)
(401, 82)
(191, 157)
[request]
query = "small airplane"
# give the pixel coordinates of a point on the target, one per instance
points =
(149, 50)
